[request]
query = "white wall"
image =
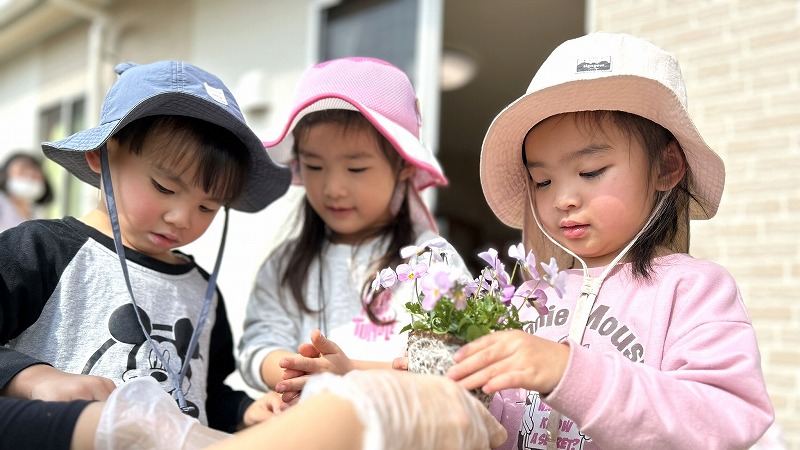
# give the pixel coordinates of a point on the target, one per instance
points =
(18, 94)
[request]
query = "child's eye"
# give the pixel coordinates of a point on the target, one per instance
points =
(206, 209)
(160, 188)
(541, 184)
(312, 168)
(594, 173)
(357, 169)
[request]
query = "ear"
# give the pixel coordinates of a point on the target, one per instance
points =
(407, 172)
(93, 159)
(672, 167)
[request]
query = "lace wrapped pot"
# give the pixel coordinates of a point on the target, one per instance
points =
(432, 353)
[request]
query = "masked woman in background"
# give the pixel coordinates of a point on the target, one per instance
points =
(24, 190)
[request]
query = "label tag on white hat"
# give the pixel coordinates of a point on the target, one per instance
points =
(216, 93)
(594, 64)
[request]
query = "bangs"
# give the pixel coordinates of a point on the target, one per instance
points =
(349, 121)
(218, 161)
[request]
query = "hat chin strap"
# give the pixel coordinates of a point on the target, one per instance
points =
(589, 290)
(177, 379)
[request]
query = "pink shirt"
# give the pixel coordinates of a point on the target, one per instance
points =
(668, 363)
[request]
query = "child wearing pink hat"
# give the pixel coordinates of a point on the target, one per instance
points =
(601, 167)
(353, 139)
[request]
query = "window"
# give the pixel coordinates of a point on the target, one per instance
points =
(58, 122)
(385, 29)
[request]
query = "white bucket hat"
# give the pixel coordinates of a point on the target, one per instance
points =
(599, 71)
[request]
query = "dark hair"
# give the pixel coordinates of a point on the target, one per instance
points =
(310, 243)
(222, 160)
(47, 197)
(670, 227)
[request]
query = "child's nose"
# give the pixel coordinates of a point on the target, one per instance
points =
(334, 186)
(178, 217)
(567, 199)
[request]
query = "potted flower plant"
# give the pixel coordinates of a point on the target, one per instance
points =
(449, 309)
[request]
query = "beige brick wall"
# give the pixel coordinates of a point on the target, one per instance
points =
(741, 63)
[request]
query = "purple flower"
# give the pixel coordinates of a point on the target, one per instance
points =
(407, 272)
(528, 262)
(556, 279)
(436, 285)
(490, 256)
(517, 252)
(411, 250)
(460, 299)
(539, 301)
(470, 286)
(386, 278)
(533, 295)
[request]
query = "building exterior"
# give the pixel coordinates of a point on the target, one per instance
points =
(737, 56)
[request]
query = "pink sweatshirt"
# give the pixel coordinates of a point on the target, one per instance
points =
(672, 363)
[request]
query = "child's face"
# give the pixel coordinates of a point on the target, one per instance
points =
(159, 208)
(348, 179)
(591, 187)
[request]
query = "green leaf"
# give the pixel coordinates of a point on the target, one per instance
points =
(475, 331)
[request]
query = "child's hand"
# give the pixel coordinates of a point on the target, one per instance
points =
(308, 351)
(400, 363)
(42, 382)
(263, 409)
(330, 358)
(510, 359)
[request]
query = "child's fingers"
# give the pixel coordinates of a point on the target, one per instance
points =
(295, 384)
(276, 404)
(476, 379)
(288, 374)
(308, 350)
(400, 363)
(476, 369)
(290, 398)
(476, 346)
(324, 345)
(307, 365)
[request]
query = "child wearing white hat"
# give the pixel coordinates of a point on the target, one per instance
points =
(353, 138)
(601, 167)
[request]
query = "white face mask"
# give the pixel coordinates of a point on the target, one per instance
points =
(25, 188)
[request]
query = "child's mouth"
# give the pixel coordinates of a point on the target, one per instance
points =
(574, 231)
(164, 241)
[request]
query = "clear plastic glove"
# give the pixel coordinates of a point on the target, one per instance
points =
(140, 414)
(401, 410)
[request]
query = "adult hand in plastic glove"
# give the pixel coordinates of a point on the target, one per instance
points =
(140, 414)
(401, 410)
(377, 409)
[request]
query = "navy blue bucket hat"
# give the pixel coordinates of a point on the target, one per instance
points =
(180, 89)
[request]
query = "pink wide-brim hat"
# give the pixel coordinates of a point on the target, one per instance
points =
(379, 91)
(598, 71)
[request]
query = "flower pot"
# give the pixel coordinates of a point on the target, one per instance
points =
(432, 353)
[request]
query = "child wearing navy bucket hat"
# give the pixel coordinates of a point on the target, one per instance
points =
(90, 303)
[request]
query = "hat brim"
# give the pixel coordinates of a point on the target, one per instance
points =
(267, 182)
(503, 174)
(407, 145)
